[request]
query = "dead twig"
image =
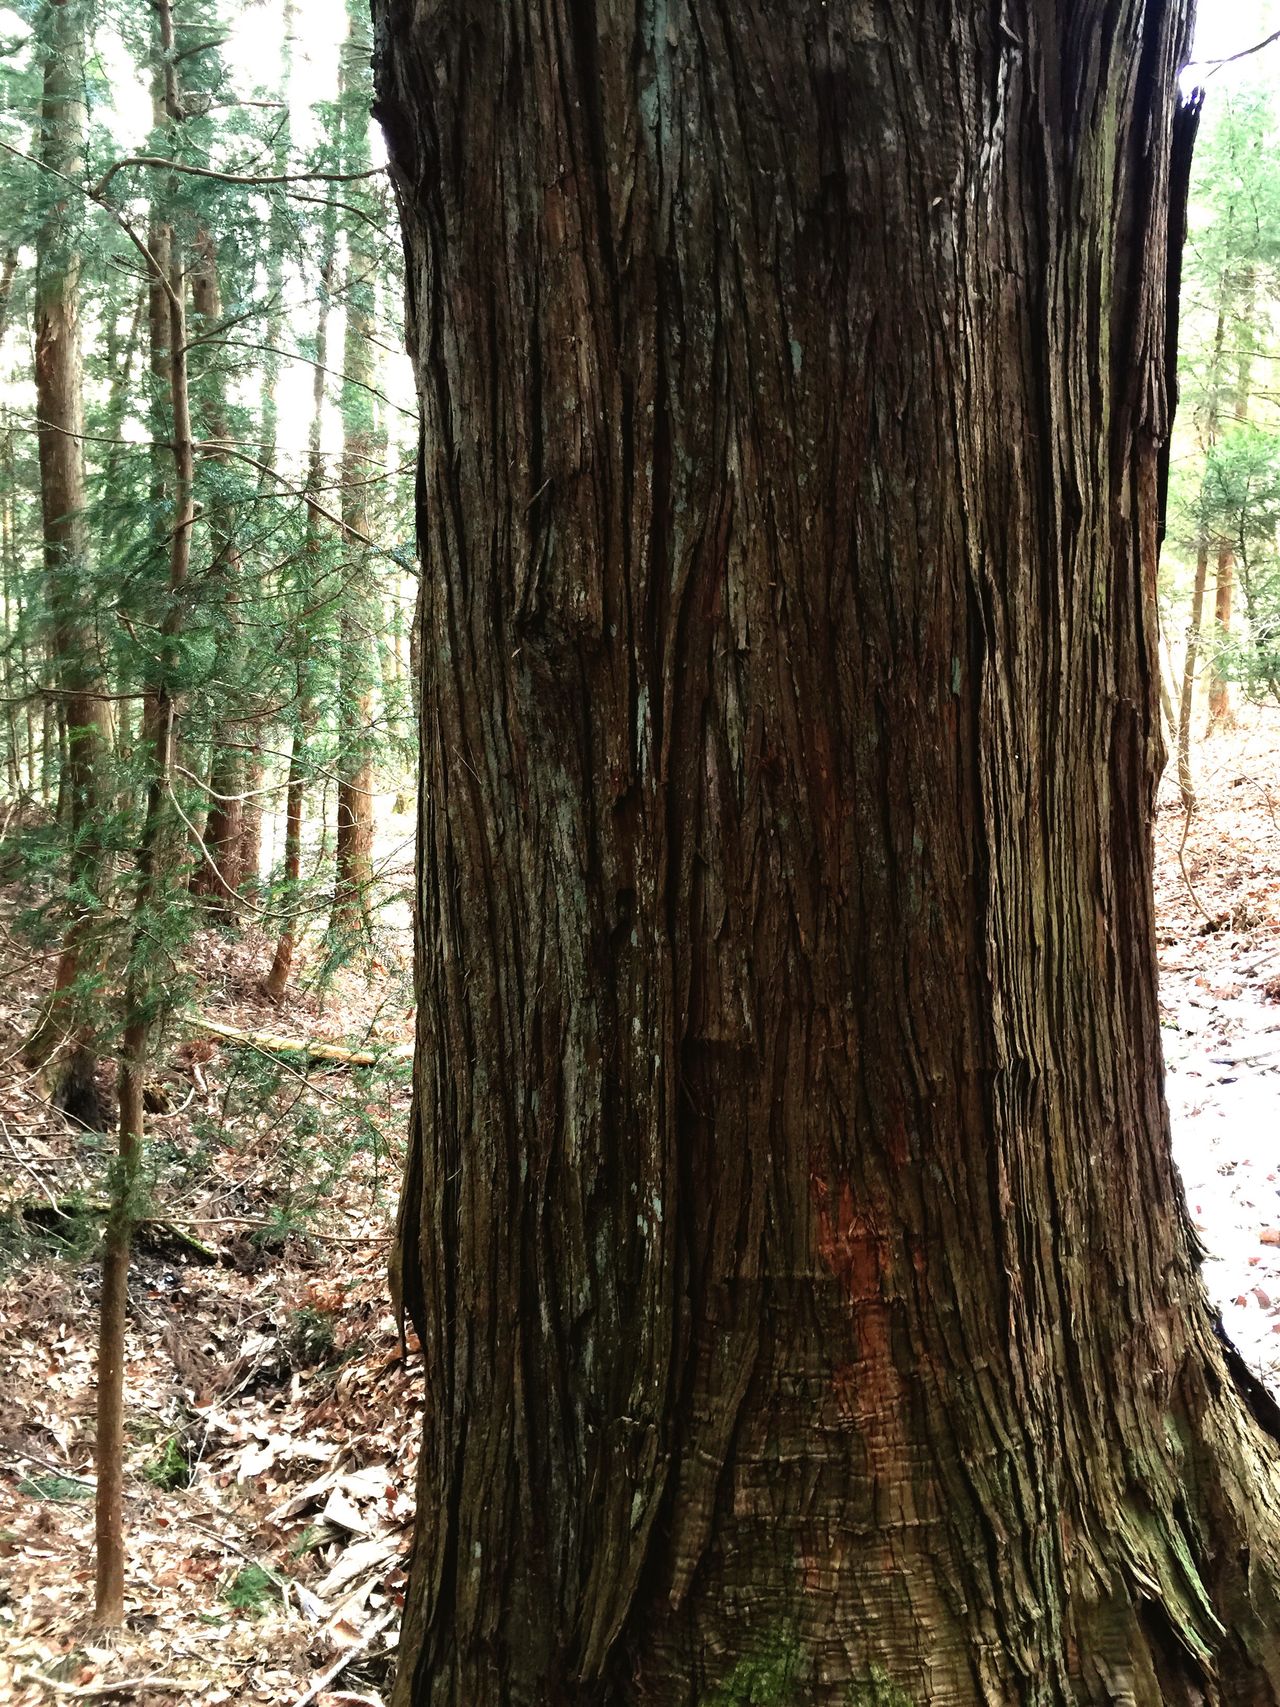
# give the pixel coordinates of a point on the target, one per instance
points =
(125, 1685)
(348, 1658)
(1186, 875)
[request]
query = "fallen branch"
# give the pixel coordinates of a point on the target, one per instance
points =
(312, 1048)
(154, 1226)
(126, 1685)
(348, 1658)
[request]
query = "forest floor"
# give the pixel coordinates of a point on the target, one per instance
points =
(1217, 885)
(274, 1416)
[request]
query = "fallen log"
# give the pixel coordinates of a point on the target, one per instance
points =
(313, 1049)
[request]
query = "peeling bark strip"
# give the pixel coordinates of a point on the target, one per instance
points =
(790, 1222)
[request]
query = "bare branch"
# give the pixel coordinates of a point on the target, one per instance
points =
(254, 180)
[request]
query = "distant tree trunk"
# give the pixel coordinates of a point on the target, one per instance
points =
(15, 686)
(248, 857)
(1195, 626)
(1186, 700)
(808, 1305)
(360, 613)
(62, 1043)
(117, 402)
(217, 873)
(154, 872)
(8, 267)
(299, 763)
(1220, 713)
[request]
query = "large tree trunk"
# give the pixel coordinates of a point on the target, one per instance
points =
(808, 1305)
(63, 1040)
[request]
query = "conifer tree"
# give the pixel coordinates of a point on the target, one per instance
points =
(63, 1037)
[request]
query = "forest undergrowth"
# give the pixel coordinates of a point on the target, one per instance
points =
(273, 1413)
(273, 1417)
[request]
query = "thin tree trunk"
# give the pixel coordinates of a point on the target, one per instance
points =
(8, 267)
(1191, 657)
(1166, 697)
(248, 858)
(1195, 626)
(359, 623)
(154, 860)
(14, 686)
(1220, 713)
(808, 1306)
(278, 975)
(250, 854)
(121, 382)
(217, 874)
(62, 1042)
(154, 870)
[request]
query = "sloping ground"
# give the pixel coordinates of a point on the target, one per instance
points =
(274, 1420)
(1218, 898)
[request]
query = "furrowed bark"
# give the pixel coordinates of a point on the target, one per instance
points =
(808, 1307)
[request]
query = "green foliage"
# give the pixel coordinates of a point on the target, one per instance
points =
(66, 1231)
(309, 1337)
(313, 1537)
(1225, 478)
(252, 1590)
(878, 1691)
(169, 1469)
(60, 1490)
(764, 1678)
